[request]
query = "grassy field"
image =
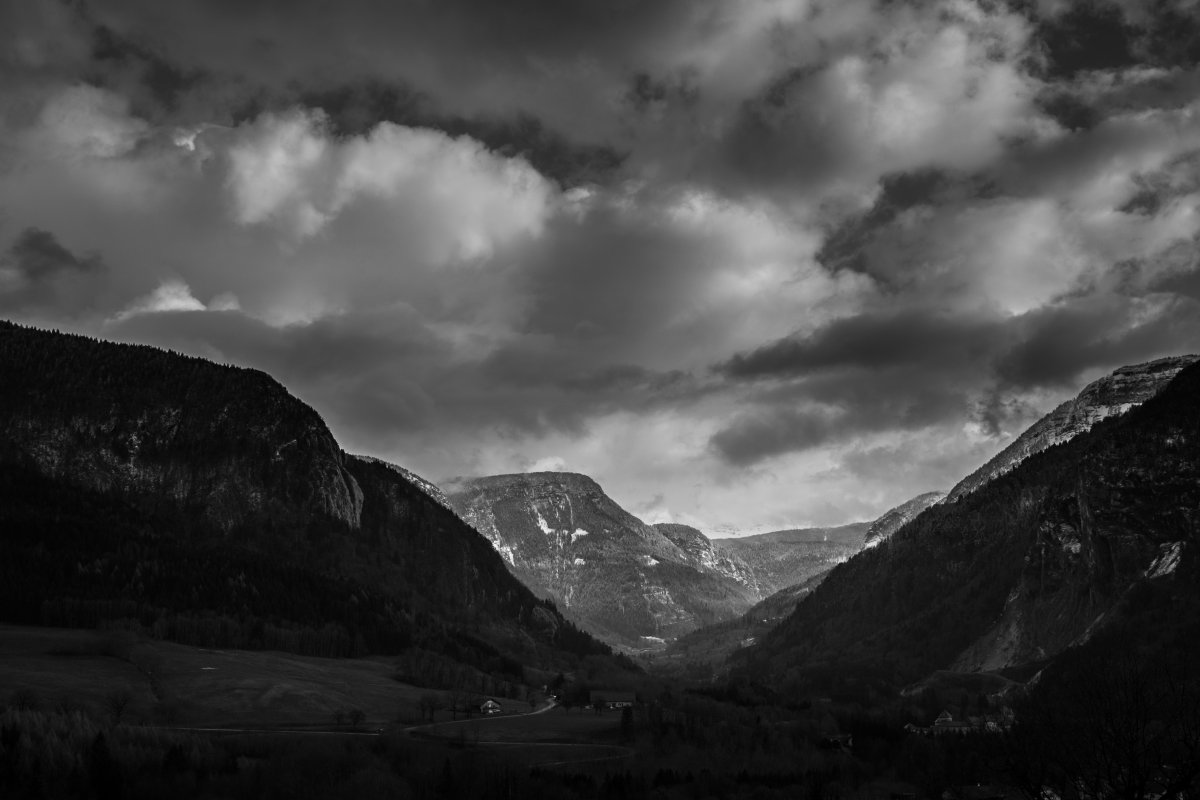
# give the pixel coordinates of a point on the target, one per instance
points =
(170, 683)
(555, 725)
(554, 738)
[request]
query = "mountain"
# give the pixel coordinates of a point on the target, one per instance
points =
(1109, 396)
(704, 554)
(785, 558)
(708, 647)
(893, 520)
(702, 652)
(620, 578)
(205, 504)
(1076, 540)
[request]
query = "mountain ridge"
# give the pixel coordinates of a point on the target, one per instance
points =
(619, 577)
(134, 463)
(1112, 395)
(1035, 561)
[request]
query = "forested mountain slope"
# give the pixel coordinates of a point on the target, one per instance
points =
(1034, 561)
(204, 503)
(1109, 396)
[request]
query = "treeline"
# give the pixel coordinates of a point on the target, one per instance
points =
(81, 559)
(204, 504)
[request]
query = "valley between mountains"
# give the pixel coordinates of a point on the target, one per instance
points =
(191, 515)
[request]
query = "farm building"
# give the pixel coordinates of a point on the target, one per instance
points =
(611, 699)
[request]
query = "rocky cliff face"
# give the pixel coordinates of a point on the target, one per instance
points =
(703, 555)
(1106, 397)
(894, 519)
(1070, 541)
(287, 457)
(620, 578)
(781, 559)
(189, 465)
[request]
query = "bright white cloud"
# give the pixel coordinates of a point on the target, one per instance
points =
(171, 295)
(466, 201)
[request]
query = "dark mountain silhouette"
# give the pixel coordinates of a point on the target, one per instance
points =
(205, 504)
(1065, 546)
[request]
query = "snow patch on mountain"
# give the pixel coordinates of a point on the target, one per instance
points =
(1168, 559)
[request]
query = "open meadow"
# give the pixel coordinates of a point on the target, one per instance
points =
(114, 673)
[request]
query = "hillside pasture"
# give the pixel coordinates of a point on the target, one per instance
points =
(173, 684)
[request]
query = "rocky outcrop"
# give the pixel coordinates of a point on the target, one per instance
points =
(626, 581)
(786, 558)
(1106, 397)
(894, 519)
(703, 555)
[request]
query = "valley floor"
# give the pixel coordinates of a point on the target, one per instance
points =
(165, 683)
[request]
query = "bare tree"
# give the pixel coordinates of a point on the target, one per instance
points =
(429, 704)
(117, 702)
(457, 702)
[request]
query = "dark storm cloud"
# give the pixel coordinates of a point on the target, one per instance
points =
(840, 408)
(1058, 344)
(907, 371)
(44, 274)
(612, 275)
(842, 249)
(121, 60)
(867, 341)
(759, 435)
(39, 256)
(1092, 35)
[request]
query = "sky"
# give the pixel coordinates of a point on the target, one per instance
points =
(751, 265)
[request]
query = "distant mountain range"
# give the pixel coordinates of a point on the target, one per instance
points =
(204, 503)
(620, 578)
(785, 558)
(1090, 523)
(634, 584)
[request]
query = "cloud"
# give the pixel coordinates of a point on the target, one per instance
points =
(38, 256)
(85, 121)
(548, 464)
(288, 169)
(169, 296)
(888, 339)
(935, 90)
(40, 273)
(741, 264)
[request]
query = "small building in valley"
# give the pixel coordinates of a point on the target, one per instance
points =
(611, 699)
